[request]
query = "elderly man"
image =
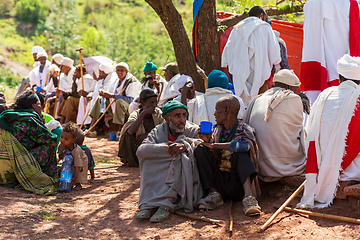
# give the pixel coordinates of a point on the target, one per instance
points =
(277, 117)
(39, 76)
(108, 88)
(155, 81)
(169, 177)
(333, 137)
(171, 75)
(138, 126)
(202, 107)
(225, 159)
(250, 54)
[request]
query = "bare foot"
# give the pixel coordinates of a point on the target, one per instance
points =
(78, 187)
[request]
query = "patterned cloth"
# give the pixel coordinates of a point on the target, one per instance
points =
(22, 166)
(27, 128)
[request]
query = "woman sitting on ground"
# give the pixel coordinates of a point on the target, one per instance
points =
(26, 124)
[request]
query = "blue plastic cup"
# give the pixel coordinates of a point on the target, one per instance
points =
(112, 136)
(38, 88)
(205, 127)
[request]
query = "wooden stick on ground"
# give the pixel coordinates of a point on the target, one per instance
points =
(204, 219)
(322, 215)
(158, 77)
(231, 225)
(87, 114)
(283, 206)
(102, 115)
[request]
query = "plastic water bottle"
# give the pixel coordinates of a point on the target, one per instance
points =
(103, 105)
(66, 173)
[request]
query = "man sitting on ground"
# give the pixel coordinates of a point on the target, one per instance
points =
(202, 107)
(169, 177)
(333, 137)
(277, 117)
(224, 159)
(138, 126)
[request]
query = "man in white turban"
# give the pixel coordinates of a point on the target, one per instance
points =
(277, 117)
(333, 137)
(57, 59)
(39, 76)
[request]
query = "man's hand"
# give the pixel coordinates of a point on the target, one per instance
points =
(148, 111)
(175, 149)
(58, 91)
(73, 183)
(140, 139)
(205, 138)
(208, 145)
(107, 95)
(94, 76)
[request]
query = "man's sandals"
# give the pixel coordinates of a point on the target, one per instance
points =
(160, 215)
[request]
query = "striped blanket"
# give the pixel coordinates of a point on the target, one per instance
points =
(16, 163)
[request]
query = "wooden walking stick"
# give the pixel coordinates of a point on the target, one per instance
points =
(158, 77)
(82, 74)
(322, 215)
(231, 225)
(204, 219)
(26, 85)
(283, 206)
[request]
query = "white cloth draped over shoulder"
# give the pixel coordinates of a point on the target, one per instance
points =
(327, 130)
(65, 81)
(202, 107)
(89, 86)
(249, 54)
(40, 78)
(167, 181)
(281, 137)
(168, 92)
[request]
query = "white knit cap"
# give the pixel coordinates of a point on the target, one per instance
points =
(349, 67)
(180, 82)
(37, 49)
(106, 67)
(122, 64)
(42, 54)
(67, 62)
(58, 58)
(53, 68)
(287, 77)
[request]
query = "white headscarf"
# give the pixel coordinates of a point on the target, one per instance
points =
(349, 67)
(180, 82)
(42, 54)
(106, 67)
(58, 58)
(37, 49)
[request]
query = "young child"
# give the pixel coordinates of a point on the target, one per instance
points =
(67, 143)
(91, 163)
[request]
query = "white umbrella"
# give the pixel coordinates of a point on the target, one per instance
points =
(92, 63)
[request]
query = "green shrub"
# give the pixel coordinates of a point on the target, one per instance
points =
(6, 6)
(33, 11)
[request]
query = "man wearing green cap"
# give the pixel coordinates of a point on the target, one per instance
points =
(169, 176)
(152, 80)
(202, 107)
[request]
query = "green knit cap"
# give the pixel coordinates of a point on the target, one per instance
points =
(172, 105)
(149, 66)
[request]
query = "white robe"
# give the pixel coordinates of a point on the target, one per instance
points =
(249, 54)
(89, 86)
(327, 129)
(169, 92)
(40, 78)
(202, 107)
(65, 81)
(281, 138)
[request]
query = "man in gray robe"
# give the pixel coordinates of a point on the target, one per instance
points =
(169, 176)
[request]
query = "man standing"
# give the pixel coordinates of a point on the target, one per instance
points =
(277, 117)
(250, 54)
(39, 76)
(169, 177)
(333, 137)
(225, 160)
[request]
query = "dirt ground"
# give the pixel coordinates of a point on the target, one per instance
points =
(105, 209)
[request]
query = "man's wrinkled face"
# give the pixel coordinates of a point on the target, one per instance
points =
(102, 74)
(191, 93)
(65, 69)
(152, 74)
(77, 73)
(35, 56)
(42, 60)
(176, 120)
(168, 75)
(121, 72)
(220, 113)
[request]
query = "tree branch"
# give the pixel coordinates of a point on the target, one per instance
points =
(231, 21)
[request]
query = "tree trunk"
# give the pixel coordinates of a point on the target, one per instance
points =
(208, 38)
(181, 43)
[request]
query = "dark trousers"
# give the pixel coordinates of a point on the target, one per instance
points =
(228, 184)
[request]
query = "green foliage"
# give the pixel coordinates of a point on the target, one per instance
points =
(33, 11)
(6, 6)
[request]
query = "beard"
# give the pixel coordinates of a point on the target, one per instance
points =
(177, 128)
